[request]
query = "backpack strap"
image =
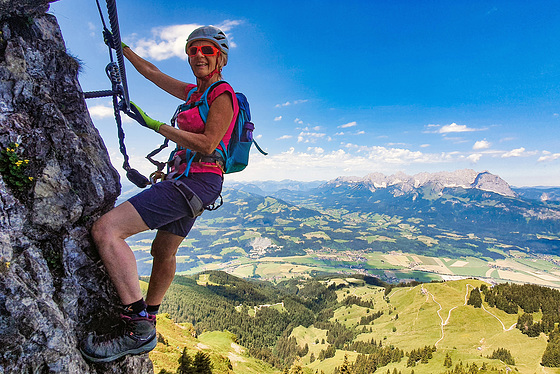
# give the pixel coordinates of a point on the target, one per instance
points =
(203, 109)
(202, 104)
(193, 90)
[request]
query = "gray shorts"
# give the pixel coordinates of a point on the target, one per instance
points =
(164, 207)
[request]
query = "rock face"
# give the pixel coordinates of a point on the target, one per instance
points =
(53, 288)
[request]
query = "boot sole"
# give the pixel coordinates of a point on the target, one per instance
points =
(149, 346)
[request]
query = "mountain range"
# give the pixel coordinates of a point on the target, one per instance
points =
(457, 214)
(401, 183)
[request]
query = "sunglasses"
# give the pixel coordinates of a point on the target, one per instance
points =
(206, 50)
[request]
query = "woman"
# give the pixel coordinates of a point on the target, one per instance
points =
(165, 206)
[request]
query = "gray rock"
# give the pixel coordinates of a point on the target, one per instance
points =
(53, 287)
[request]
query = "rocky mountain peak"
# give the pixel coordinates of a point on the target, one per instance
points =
(402, 183)
(490, 182)
(55, 180)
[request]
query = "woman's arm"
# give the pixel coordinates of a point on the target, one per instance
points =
(219, 118)
(151, 72)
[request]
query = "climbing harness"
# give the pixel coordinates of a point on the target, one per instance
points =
(119, 91)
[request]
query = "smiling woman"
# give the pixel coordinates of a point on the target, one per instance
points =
(172, 205)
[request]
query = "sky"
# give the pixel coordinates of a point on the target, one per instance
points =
(348, 88)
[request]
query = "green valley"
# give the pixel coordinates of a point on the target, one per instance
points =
(423, 236)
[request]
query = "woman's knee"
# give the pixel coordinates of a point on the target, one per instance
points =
(119, 223)
(103, 234)
(165, 246)
(163, 253)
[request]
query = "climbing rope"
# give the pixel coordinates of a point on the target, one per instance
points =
(119, 91)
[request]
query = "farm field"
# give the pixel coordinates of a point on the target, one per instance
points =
(393, 267)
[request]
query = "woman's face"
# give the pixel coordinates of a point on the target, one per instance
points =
(202, 64)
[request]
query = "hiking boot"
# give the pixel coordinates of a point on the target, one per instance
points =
(138, 336)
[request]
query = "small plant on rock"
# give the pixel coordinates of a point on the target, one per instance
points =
(12, 167)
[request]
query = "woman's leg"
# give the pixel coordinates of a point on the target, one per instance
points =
(164, 249)
(109, 234)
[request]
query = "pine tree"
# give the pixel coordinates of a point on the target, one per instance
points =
(202, 363)
(185, 363)
(447, 362)
(551, 355)
(475, 299)
(345, 368)
(296, 369)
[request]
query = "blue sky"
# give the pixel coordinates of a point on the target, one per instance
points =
(348, 88)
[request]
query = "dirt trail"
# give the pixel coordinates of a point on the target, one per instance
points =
(444, 323)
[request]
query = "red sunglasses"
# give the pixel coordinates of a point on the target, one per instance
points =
(206, 50)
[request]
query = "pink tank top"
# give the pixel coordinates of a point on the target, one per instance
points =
(191, 121)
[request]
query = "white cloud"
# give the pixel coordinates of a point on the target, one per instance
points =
(101, 111)
(169, 41)
(454, 128)
(91, 26)
(288, 103)
(396, 144)
(474, 157)
(317, 150)
(345, 126)
(228, 25)
(284, 137)
(310, 137)
(399, 155)
(316, 163)
(508, 139)
(279, 118)
(518, 152)
(481, 144)
(424, 145)
(549, 156)
(298, 121)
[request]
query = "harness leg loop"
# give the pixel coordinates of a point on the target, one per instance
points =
(195, 204)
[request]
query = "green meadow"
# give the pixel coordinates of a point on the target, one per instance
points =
(428, 315)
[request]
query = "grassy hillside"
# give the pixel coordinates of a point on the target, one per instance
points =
(226, 355)
(408, 319)
(435, 314)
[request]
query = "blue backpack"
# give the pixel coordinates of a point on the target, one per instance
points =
(236, 156)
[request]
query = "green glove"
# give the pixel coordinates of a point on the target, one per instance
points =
(108, 39)
(142, 118)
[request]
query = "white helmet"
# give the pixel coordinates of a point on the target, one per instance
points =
(212, 34)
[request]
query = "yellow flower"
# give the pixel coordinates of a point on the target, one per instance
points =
(30, 178)
(26, 162)
(16, 145)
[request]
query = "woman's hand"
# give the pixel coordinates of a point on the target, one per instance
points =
(142, 118)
